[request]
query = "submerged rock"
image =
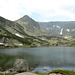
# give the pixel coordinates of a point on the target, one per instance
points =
(20, 65)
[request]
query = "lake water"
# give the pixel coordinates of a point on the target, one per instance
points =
(51, 57)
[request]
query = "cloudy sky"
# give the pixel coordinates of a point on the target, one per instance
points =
(40, 10)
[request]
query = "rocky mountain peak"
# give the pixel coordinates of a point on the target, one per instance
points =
(28, 22)
(25, 18)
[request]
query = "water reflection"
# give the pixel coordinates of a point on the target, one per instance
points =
(36, 57)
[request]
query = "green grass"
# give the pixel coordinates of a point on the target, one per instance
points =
(9, 74)
(38, 73)
(1, 74)
(6, 74)
(63, 72)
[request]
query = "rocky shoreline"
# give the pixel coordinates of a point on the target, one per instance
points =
(20, 67)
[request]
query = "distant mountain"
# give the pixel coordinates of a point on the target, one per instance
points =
(60, 28)
(30, 26)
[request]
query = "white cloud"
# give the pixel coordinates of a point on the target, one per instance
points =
(14, 9)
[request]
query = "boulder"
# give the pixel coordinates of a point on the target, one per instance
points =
(20, 65)
(55, 74)
(26, 73)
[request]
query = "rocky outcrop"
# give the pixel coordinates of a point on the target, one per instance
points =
(20, 65)
(26, 73)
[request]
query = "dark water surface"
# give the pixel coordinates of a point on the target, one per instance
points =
(53, 57)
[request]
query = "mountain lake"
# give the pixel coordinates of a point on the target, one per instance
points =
(40, 57)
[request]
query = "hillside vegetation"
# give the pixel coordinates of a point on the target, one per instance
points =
(25, 32)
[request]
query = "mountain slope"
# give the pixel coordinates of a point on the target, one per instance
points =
(13, 34)
(60, 28)
(26, 32)
(30, 26)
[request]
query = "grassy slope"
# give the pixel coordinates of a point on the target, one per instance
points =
(10, 35)
(63, 72)
(28, 40)
(40, 73)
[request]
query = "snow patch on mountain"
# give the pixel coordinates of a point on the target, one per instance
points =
(73, 29)
(61, 31)
(57, 26)
(68, 30)
(19, 35)
(47, 28)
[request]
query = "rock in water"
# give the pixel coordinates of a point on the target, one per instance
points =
(20, 65)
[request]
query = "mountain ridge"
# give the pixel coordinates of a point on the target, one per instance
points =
(26, 32)
(30, 26)
(56, 27)
(12, 34)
